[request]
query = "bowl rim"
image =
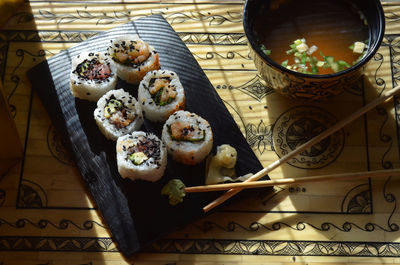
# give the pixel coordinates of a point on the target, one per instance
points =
(372, 49)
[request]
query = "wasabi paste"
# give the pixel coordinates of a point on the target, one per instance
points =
(175, 189)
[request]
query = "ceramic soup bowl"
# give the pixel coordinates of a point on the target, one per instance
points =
(308, 86)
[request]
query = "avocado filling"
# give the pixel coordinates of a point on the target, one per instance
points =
(143, 151)
(117, 114)
(138, 158)
(112, 107)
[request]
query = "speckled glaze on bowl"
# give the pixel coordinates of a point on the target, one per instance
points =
(305, 86)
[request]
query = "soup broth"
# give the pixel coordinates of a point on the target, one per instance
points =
(333, 26)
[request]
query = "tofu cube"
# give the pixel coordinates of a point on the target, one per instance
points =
(358, 47)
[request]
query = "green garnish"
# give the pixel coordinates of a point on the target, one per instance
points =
(303, 58)
(336, 66)
(175, 190)
(305, 62)
(265, 50)
(359, 58)
(314, 69)
(343, 64)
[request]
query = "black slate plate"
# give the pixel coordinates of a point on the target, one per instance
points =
(135, 212)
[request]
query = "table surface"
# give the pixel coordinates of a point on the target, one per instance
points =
(48, 217)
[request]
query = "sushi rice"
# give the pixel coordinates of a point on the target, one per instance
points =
(161, 94)
(141, 155)
(188, 137)
(133, 58)
(118, 113)
(92, 75)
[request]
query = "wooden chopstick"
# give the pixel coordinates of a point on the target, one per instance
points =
(384, 96)
(285, 181)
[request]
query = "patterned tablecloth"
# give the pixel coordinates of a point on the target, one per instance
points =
(47, 216)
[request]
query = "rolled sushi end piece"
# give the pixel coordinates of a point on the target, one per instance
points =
(141, 155)
(188, 137)
(92, 75)
(118, 113)
(133, 58)
(161, 94)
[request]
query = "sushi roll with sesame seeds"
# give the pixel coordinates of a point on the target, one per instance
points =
(141, 155)
(133, 58)
(161, 94)
(92, 75)
(118, 113)
(188, 137)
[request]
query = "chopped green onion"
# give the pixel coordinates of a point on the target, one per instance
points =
(314, 69)
(313, 60)
(305, 62)
(335, 66)
(359, 58)
(290, 51)
(303, 58)
(330, 62)
(265, 50)
(329, 59)
(343, 63)
(298, 42)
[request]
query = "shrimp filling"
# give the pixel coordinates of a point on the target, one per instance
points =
(143, 150)
(162, 92)
(117, 114)
(132, 53)
(93, 70)
(184, 131)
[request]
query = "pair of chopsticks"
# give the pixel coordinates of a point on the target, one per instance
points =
(288, 181)
(234, 188)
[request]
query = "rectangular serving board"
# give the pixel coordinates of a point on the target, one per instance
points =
(135, 211)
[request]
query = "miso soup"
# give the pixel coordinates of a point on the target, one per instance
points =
(313, 37)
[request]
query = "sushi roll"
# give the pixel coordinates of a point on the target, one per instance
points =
(133, 58)
(188, 137)
(118, 113)
(141, 155)
(161, 94)
(92, 75)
